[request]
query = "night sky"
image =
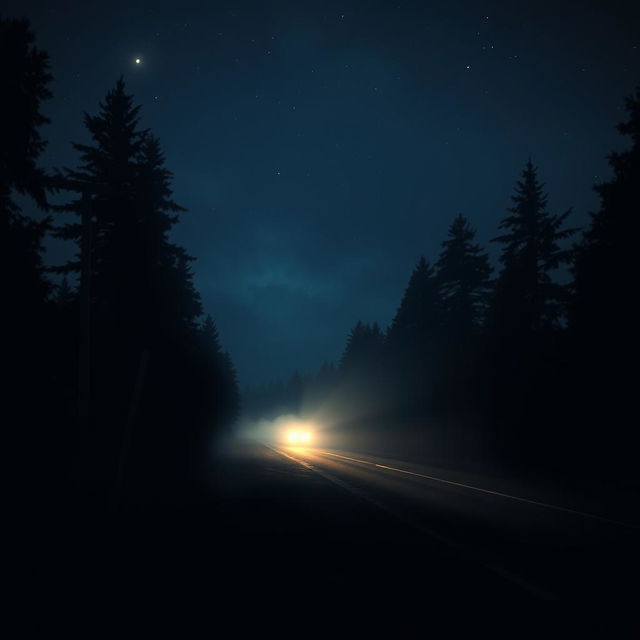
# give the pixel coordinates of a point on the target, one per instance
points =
(322, 147)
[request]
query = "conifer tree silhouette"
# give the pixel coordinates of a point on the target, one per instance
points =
(25, 72)
(604, 316)
(464, 278)
(26, 363)
(605, 257)
(363, 349)
(152, 362)
(526, 319)
(224, 388)
(531, 251)
(419, 313)
(413, 341)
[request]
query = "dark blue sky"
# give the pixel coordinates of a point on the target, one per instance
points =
(322, 147)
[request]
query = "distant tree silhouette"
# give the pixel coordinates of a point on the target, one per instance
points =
(464, 280)
(294, 392)
(419, 314)
(526, 318)
(25, 73)
(604, 316)
(265, 401)
(26, 363)
(358, 379)
(224, 389)
(26, 78)
(531, 251)
(413, 342)
(325, 380)
(113, 165)
(604, 257)
(363, 349)
(210, 335)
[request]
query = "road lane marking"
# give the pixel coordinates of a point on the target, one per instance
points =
(459, 548)
(286, 455)
(536, 503)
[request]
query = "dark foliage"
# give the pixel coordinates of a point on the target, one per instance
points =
(525, 329)
(604, 316)
(25, 74)
(160, 384)
(464, 278)
(465, 286)
(27, 364)
(413, 343)
(531, 251)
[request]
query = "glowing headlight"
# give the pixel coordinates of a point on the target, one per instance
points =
(298, 436)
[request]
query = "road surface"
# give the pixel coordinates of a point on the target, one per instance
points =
(306, 543)
(430, 548)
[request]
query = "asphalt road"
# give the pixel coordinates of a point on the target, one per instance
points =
(308, 543)
(419, 551)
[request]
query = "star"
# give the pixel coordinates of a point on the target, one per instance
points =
(138, 60)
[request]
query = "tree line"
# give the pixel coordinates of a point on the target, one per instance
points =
(541, 368)
(116, 378)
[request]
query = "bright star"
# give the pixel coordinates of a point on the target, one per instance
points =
(138, 60)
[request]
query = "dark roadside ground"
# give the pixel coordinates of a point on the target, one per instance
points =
(275, 550)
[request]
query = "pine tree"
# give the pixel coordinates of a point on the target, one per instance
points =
(144, 283)
(418, 317)
(604, 315)
(326, 378)
(210, 336)
(224, 391)
(110, 166)
(464, 278)
(32, 428)
(605, 259)
(522, 379)
(186, 301)
(362, 352)
(26, 76)
(146, 308)
(25, 73)
(166, 267)
(358, 381)
(531, 251)
(413, 344)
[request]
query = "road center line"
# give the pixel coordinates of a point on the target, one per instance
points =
(481, 490)
(456, 546)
